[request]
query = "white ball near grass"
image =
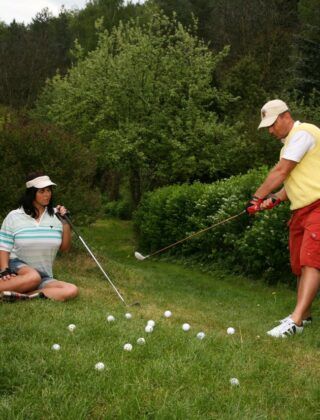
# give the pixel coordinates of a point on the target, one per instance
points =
(127, 347)
(128, 316)
(99, 366)
(56, 347)
(71, 327)
(149, 329)
(186, 327)
(167, 314)
(231, 330)
(151, 322)
(141, 341)
(201, 335)
(234, 382)
(110, 318)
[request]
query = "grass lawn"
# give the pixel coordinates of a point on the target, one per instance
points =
(174, 375)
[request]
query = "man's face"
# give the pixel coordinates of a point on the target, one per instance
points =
(281, 127)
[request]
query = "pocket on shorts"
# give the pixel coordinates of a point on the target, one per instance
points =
(314, 231)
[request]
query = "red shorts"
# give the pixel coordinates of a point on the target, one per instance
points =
(304, 237)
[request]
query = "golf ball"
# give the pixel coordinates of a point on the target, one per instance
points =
(234, 382)
(99, 366)
(56, 347)
(141, 341)
(151, 322)
(149, 329)
(110, 318)
(71, 327)
(167, 314)
(128, 316)
(201, 335)
(186, 327)
(127, 347)
(231, 330)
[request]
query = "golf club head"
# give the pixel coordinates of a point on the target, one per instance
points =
(135, 304)
(139, 256)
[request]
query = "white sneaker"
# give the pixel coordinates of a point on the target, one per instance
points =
(305, 322)
(285, 329)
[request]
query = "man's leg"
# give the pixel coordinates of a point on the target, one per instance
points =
(308, 287)
(59, 290)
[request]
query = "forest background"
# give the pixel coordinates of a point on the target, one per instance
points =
(147, 110)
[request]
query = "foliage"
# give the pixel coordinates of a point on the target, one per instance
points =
(28, 146)
(142, 100)
(244, 245)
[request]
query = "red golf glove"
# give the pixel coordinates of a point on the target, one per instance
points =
(273, 203)
(254, 205)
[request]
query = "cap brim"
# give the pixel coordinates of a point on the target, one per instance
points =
(266, 122)
(44, 184)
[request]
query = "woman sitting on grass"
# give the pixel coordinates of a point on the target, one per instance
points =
(30, 238)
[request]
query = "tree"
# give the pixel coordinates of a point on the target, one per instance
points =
(142, 101)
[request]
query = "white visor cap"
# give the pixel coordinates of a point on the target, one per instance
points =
(270, 112)
(40, 182)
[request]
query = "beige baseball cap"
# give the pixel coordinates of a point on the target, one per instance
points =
(270, 112)
(40, 182)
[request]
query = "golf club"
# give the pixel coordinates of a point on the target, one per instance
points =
(67, 218)
(140, 257)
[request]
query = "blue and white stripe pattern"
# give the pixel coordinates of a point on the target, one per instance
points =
(35, 243)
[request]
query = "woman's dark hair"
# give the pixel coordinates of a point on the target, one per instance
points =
(27, 199)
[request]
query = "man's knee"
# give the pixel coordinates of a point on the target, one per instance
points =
(71, 291)
(32, 279)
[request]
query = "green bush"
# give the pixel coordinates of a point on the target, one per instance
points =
(252, 245)
(28, 146)
(121, 209)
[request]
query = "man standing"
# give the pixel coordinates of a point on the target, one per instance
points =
(298, 170)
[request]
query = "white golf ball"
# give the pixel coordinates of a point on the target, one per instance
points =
(186, 327)
(56, 347)
(127, 347)
(141, 341)
(167, 314)
(149, 329)
(151, 322)
(234, 382)
(110, 318)
(99, 366)
(231, 330)
(201, 335)
(128, 316)
(71, 327)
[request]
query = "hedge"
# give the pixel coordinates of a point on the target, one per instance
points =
(252, 245)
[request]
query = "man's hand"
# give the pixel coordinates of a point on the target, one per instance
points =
(270, 202)
(254, 205)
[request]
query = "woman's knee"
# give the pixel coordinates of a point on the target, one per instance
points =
(32, 279)
(72, 291)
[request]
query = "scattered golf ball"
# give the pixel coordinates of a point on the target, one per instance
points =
(71, 327)
(234, 382)
(141, 341)
(167, 314)
(151, 322)
(201, 335)
(186, 327)
(110, 318)
(56, 347)
(149, 329)
(127, 347)
(128, 316)
(231, 330)
(99, 366)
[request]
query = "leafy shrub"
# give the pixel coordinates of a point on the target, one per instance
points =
(252, 245)
(28, 146)
(121, 209)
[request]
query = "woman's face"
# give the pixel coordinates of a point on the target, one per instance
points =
(43, 197)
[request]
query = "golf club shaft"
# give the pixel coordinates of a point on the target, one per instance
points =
(195, 234)
(94, 258)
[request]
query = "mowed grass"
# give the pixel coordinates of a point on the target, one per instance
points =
(174, 375)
